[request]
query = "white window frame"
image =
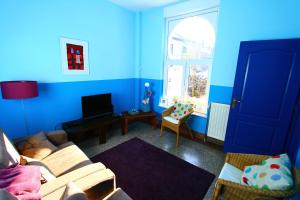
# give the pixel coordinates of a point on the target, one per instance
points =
(185, 63)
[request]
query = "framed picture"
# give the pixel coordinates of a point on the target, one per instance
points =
(163, 102)
(74, 56)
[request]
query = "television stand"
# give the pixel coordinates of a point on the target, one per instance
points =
(79, 129)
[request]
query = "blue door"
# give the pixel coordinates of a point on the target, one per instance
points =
(264, 95)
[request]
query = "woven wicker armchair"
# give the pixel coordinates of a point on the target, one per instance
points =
(235, 191)
(176, 127)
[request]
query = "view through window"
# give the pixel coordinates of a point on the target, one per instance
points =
(190, 45)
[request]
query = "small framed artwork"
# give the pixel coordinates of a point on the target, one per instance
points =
(163, 102)
(74, 56)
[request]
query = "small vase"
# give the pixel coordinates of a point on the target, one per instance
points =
(145, 107)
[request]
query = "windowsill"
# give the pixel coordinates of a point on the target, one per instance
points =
(194, 113)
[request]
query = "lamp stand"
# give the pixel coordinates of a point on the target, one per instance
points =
(25, 117)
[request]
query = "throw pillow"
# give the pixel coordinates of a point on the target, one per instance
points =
(272, 174)
(57, 137)
(180, 110)
(73, 192)
(37, 138)
(37, 146)
(8, 154)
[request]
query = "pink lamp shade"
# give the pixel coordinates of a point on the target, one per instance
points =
(19, 89)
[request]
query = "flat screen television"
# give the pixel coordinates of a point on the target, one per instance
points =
(96, 106)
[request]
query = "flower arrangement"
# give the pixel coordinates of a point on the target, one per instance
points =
(146, 99)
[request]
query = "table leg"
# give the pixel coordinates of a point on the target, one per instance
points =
(124, 126)
(153, 120)
(102, 135)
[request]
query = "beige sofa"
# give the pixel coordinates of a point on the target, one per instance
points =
(69, 164)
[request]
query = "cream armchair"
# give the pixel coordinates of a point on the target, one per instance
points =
(173, 122)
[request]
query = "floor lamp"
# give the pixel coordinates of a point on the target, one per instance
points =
(20, 90)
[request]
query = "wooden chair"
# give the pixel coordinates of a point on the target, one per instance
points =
(174, 124)
(235, 191)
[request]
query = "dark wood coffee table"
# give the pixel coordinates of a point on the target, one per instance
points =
(127, 118)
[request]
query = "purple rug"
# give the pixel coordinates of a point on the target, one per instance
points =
(145, 172)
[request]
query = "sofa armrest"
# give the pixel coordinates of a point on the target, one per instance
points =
(118, 194)
(57, 137)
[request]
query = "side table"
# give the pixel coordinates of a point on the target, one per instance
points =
(127, 118)
(77, 129)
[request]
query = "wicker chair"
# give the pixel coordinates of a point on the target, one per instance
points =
(235, 191)
(173, 126)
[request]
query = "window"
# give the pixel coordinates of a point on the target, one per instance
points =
(189, 55)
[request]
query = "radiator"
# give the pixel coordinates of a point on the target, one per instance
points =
(218, 118)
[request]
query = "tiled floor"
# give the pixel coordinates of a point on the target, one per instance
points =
(201, 155)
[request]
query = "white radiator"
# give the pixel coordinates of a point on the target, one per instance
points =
(218, 118)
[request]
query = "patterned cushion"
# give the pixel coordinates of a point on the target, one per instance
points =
(272, 174)
(180, 110)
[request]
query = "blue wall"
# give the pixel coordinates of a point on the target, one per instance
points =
(30, 50)
(152, 44)
(31, 31)
(250, 20)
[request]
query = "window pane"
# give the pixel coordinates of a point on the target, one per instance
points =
(190, 45)
(174, 82)
(191, 38)
(197, 87)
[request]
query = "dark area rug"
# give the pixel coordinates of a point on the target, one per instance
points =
(146, 172)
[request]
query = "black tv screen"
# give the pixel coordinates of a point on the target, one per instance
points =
(96, 105)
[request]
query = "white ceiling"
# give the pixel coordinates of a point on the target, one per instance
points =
(142, 4)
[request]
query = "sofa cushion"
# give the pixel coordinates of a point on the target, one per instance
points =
(73, 192)
(36, 146)
(8, 154)
(69, 157)
(171, 119)
(85, 178)
(37, 138)
(57, 137)
(46, 173)
(231, 173)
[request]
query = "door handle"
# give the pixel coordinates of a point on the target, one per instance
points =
(234, 101)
